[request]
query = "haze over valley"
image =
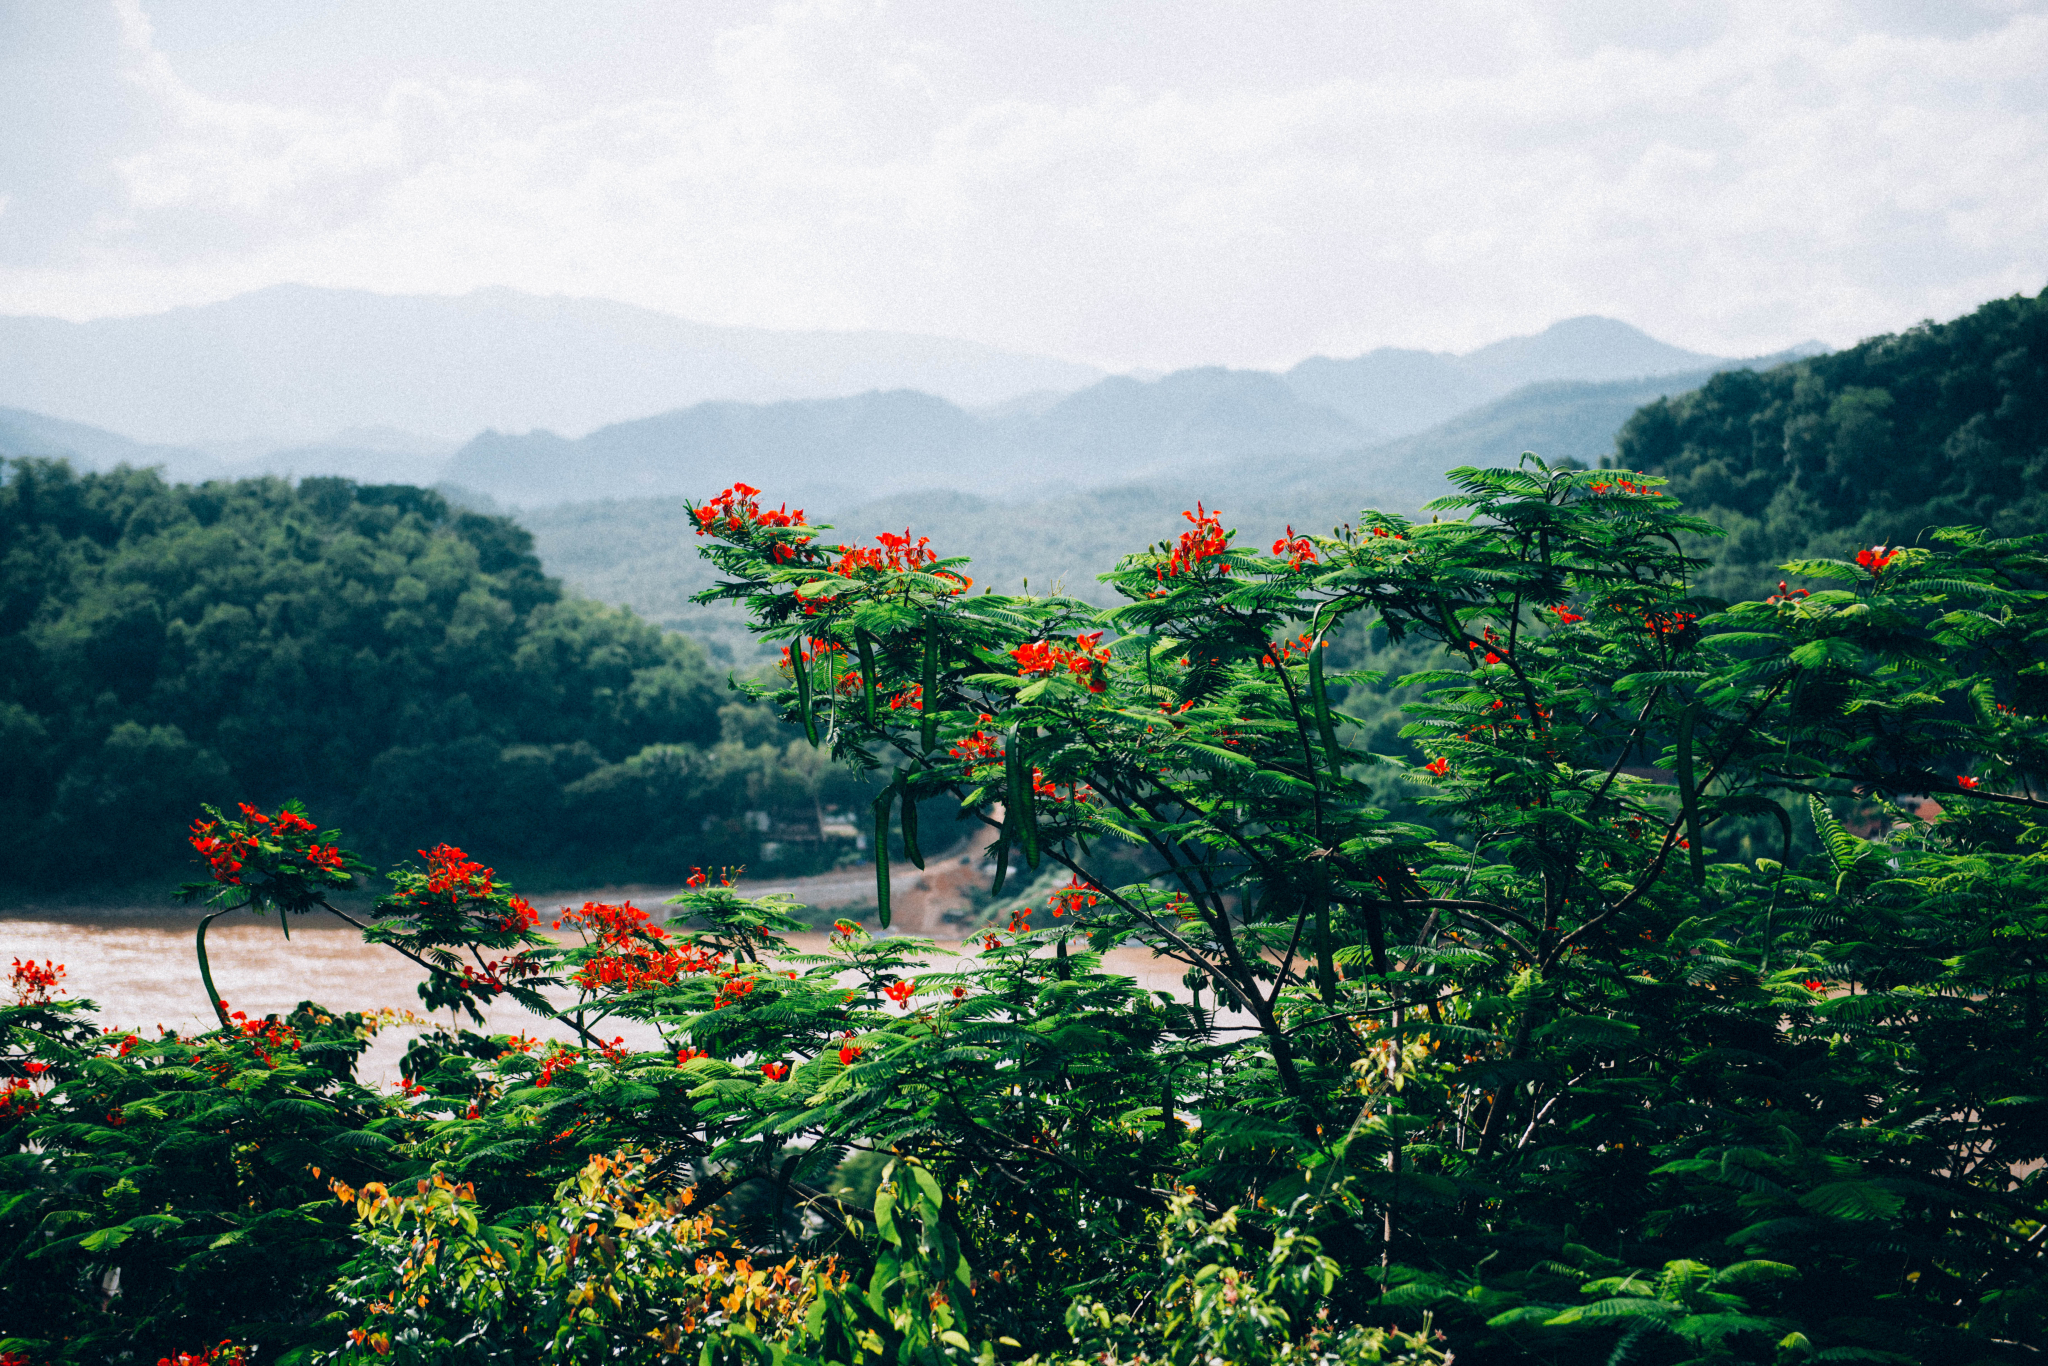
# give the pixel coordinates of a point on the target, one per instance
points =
(1034, 466)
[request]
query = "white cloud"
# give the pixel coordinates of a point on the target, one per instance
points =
(1737, 179)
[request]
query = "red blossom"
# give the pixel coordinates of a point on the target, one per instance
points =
(737, 508)
(1876, 559)
(1298, 550)
(979, 748)
(1967, 783)
(1439, 766)
(1206, 542)
(1075, 896)
(34, 984)
(226, 1354)
(1085, 660)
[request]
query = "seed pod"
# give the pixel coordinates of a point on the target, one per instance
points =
(865, 643)
(882, 853)
(802, 671)
(1319, 695)
(910, 849)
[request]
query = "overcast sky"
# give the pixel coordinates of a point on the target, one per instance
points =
(1133, 184)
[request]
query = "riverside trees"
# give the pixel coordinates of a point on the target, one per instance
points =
(1691, 1041)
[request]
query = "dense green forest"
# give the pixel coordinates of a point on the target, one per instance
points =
(1940, 424)
(404, 665)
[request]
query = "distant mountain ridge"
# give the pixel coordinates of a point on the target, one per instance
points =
(1398, 392)
(1118, 431)
(883, 443)
(640, 551)
(837, 449)
(295, 363)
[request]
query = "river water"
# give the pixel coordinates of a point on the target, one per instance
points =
(140, 971)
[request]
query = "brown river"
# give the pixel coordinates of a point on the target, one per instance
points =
(138, 967)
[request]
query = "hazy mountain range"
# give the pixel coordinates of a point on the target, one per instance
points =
(642, 551)
(293, 363)
(1046, 485)
(814, 416)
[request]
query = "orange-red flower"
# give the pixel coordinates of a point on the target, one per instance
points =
(1206, 542)
(1298, 550)
(33, 984)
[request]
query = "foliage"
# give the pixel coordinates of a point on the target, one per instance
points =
(1941, 424)
(1554, 1074)
(403, 665)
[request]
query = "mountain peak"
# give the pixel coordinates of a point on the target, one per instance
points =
(1399, 391)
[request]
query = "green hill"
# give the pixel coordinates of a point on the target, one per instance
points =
(404, 666)
(1944, 423)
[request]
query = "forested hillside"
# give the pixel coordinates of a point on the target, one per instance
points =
(403, 665)
(1944, 423)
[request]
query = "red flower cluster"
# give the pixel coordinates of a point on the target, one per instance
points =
(226, 1354)
(1669, 623)
(18, 1098)
(1785, 594)
(1205, 542)
(1875, 559)
(775, 1071)
(895, 554)
(636, 952)
(1391, 535)
(978, 748)
(224, 855)
(555, 1060)
(265, 1035)
(498, 974)
(1076, 792)
(32, 984)
(726, 877)
(911, 697)
(1281, 651)
(734, 988)
(1439, 766)
(227, 846)
(1075, 896)
(823, 649)
(900, 991)
(1298, 550)
(1967, 783)
(1565, 615)
(848, 1052)
(519, 915)
(452, 872)
(1085, 660)
(1627, 486)
(737, 508)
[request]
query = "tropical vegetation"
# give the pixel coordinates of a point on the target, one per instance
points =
(402, 664)
(1700, 1021)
